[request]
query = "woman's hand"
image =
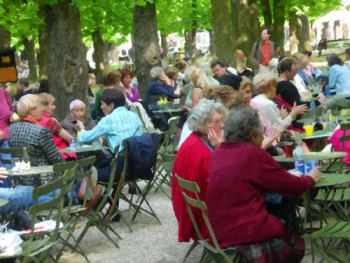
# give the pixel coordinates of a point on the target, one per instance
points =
(316, 174)
(298, 110)
(215, 139)
(276, 131)
(283, 112)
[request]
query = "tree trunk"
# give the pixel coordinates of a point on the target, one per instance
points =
(222, 29)
(188, 44)
(266, 12)
(305, 34)
(212, 42)
(278, 23)
(193, 31)
(99, 52)
(293, 36)
(29, 45)
(42, 54)
(5, 38)
(147, 54)
(245, 24)
(164, 44)
(67, 65)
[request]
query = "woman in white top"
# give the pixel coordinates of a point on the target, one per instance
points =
(269, 114)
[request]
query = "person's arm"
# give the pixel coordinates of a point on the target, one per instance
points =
(276, 178)
(101, 129)
(252, 56)
(332, 77)
(196, 96)
(56, 128)
(49, 148)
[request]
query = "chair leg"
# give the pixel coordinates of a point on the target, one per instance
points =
(193, 246)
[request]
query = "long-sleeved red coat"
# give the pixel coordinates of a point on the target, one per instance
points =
(191, 163)
(240, 175)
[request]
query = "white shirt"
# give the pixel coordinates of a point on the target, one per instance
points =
(269, 113)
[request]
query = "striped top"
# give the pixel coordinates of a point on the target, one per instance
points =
(115, 127)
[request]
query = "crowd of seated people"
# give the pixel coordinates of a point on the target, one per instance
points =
(230, 160)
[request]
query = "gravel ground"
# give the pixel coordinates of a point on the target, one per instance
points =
(149, 242)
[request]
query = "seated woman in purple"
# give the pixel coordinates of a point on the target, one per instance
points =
(131, 92)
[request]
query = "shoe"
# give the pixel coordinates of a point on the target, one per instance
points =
(95, 197)
(116, 218)
(133, 190)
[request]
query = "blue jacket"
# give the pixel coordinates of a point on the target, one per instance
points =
(143, 153)
(155, 88)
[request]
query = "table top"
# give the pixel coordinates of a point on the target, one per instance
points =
(83, 148)
(3, 202)
(171, 111)
(312, 156)
(315, 135)
(333, 179)
(33, 171)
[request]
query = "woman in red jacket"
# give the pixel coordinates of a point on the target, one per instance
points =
(193, 160)
(241, 174)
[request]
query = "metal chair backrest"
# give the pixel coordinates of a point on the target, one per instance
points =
(13, 151)
(196, 202)
(168, 145)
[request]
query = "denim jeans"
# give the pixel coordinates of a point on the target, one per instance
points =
(19, 197)
(5, 145)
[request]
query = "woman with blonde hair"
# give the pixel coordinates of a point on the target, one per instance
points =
(269, 113)
(28, 133)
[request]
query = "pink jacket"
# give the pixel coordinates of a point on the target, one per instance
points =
(337, 145)
(5, 112)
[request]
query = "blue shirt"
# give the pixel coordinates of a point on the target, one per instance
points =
(339, 78)
(115, 127)
(156, 88)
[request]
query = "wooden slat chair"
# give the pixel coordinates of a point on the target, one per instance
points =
(137, 205)
(214, 251)
(95, 216)
(329, 241)
(37, 247)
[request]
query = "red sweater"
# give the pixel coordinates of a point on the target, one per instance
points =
(191, 163)
(240, 176)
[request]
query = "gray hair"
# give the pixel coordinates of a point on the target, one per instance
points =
(75, 103)
(263, 80)
(242, 125)
(156, 72)
(202, 112)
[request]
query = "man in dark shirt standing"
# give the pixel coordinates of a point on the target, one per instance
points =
(219, 67)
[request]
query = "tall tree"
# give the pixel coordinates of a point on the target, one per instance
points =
(146, 43)
(67, 71)
(245, 24)
(222, 29)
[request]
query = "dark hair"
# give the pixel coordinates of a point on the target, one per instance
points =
(285, 65)
(307, 53)
(333, 59)
(126, 72)
(268, 31)
(24, 82)
(101, 80)
(347, 51)
(218, 61)
(180, 65)
(115, 96)
(44, 86)
(112, 77)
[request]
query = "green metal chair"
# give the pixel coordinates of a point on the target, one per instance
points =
(95, 216)
(329, 241)
(14, 152)
(137, 205)
(211, 251)
(164, 176)
(38, 246)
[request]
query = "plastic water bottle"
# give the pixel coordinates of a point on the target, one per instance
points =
(312, 108)
(26, 159)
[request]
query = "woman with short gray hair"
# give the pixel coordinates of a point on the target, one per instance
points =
(241, 173)
(193, 160)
